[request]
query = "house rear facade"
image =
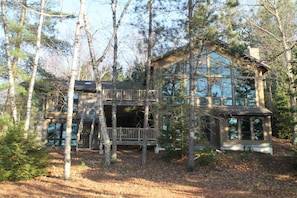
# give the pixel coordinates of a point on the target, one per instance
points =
(230, 98)
(230, 101)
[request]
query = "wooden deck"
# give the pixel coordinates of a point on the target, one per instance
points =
(134, 136)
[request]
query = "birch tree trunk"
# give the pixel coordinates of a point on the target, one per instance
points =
(98, 76)
(114, 79)
(15, 59)
(11, 90)
(74, 70)
(147, 84)
(35, 65)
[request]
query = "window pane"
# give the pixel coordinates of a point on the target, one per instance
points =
(219, 65)
(172, 86)
(203, 101)
(233, 128)
(202, 87)
(239, 102)
(216, 101)
(221, 87)
(252, 103)
(245, 129)
(258, 129)
(245, 88)
(228, 102)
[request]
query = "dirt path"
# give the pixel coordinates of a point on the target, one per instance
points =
(238, 175)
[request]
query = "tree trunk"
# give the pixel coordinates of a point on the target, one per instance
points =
(67, 157)
(191, 163)
(147, 84)
(35, 65)
(11, 90)
(15, 59)
(102, 121)
(114, 78)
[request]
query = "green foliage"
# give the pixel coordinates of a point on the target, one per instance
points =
(21, 158)
(283, 121)
(174, 136)
(207, 158)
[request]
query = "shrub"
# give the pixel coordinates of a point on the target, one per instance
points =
(207, 157)
(21, 158)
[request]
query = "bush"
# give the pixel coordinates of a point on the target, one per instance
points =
(207, 158)
(21, 158)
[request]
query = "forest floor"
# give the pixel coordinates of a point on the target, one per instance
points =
(238, 174)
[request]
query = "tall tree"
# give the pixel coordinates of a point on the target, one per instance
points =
(35, 65)
(11, 90)
(114, 79)
(191, 163)
(208, 21)
(147, 82)
(74, 70)
(274, 29)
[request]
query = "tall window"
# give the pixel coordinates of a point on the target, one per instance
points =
(57, 134)
(225, 82)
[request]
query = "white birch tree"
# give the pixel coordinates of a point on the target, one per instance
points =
(11, 90)
(35, 65)
(74, 71)
(114, 79)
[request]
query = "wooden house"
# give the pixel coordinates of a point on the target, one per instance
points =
(229, 100)
(86, 131)
(229, 95)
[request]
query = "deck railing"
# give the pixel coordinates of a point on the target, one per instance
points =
(133, 134)
(130, 95)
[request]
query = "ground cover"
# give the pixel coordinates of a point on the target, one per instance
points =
(239, 174)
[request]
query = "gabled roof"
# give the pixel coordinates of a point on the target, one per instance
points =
(217, 46)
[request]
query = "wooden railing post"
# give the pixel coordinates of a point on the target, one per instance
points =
(120, 135)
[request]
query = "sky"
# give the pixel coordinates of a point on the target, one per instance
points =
(100, 19)
(100, 22)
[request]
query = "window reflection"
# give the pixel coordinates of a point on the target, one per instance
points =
(258, 128)
(233, 128)
(245, 88)
(228, 83)
(57, 134)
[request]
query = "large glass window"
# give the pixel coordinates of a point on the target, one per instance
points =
(57, 134)
(225, 82)
(245, 128)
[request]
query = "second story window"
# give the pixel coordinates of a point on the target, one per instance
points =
(219, 81)
(57, 102)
